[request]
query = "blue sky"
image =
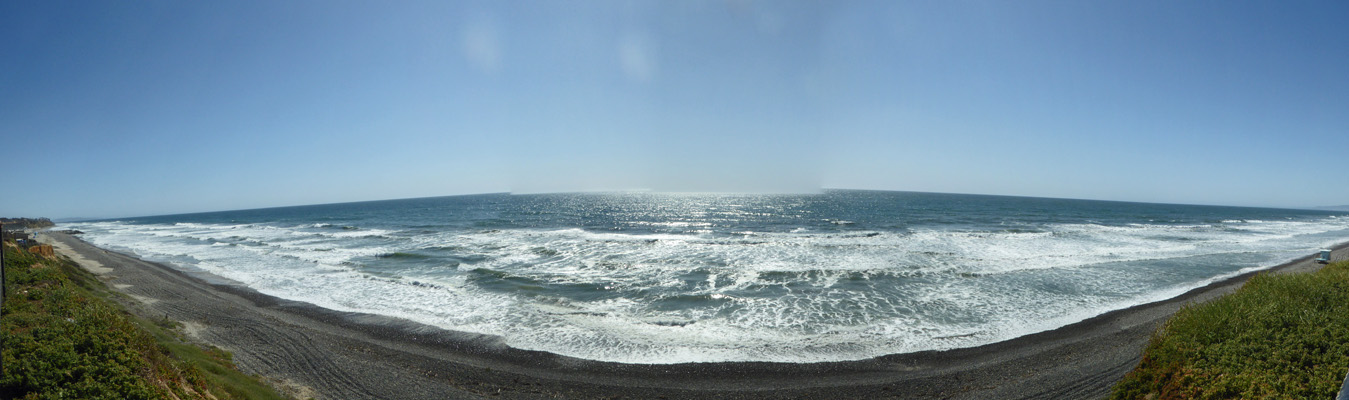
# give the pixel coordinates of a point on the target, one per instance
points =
(138, 108)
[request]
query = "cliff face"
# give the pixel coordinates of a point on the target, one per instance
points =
(43, 250)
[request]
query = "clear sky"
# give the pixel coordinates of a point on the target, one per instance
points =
(126, 108)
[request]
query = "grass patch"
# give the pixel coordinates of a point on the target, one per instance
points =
(64, 338)
(1278, 337)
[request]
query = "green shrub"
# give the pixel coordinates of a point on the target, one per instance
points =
(1278, 337)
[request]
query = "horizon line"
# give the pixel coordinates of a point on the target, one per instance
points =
(821, 190)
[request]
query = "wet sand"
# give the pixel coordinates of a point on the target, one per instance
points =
(325, 354)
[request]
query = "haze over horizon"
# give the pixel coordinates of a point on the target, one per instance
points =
(148, 108)
(821, 191)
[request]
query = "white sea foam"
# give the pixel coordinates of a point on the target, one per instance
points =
(796, 296)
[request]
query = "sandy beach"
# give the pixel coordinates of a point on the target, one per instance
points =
(325, 354)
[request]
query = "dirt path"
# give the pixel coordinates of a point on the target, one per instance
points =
(334, 355)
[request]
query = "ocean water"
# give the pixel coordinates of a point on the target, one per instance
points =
(671, 278)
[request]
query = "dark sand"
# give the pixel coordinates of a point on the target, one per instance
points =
(315, 352)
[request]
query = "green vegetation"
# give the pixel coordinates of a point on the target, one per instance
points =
(1278, 337)
(31, 223)
(64, 338)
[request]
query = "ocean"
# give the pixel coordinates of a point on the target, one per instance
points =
(670, 278)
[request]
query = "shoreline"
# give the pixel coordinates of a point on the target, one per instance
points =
(331, 354)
